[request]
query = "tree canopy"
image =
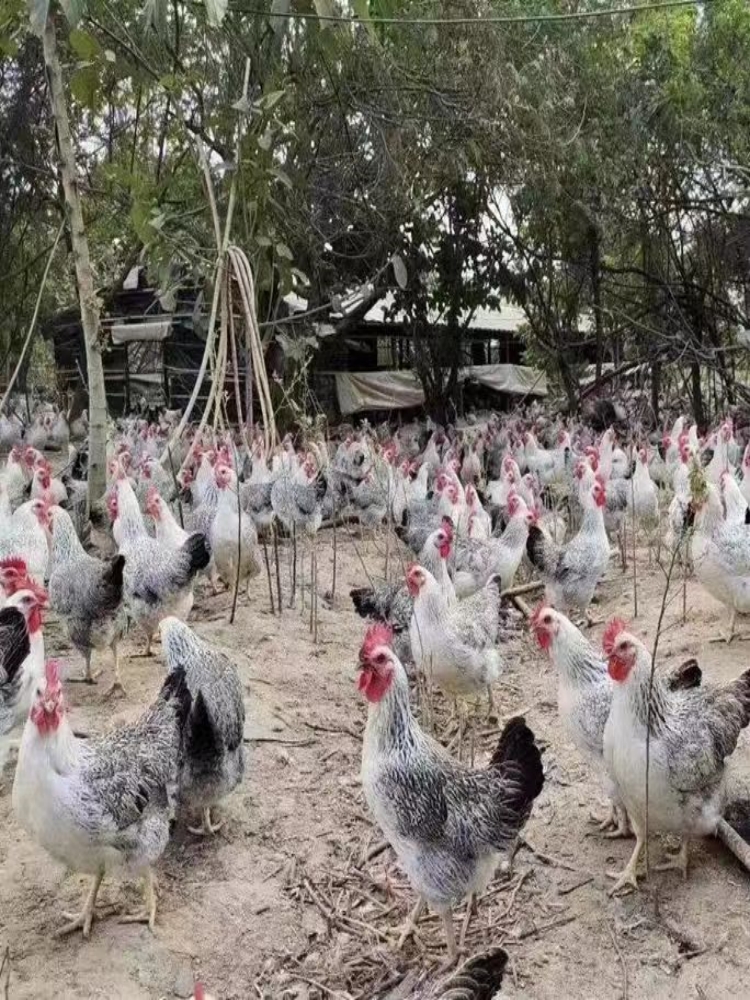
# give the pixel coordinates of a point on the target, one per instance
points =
(593, 169)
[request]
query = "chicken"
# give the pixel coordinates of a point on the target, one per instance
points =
(476, 561)
(26, 538)
(720, 553)
(644, 496)
(30, 601)
(735, 505)
(14, 651)
(104, 802)
(214, 754)
(87, 593)
(455, 644)
(158, 582)
(167, 530)
(745, 483)
(584, 696)
(393, 605)
(478, 979)
(447, 824)
(572, 572)
(234, 540)
(692, 732)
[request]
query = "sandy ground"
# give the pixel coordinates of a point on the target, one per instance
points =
(280, 903)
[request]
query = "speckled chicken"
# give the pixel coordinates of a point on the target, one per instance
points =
(478, 979)
(455, 644)
(572, 572)
(214, 755)
(692, 734)
(14, 650)
(392, 604)
(158, 581)
(476, 560)
(104, 802)
(721, 555)
(447, 824)
(26, 538)
(87, 593)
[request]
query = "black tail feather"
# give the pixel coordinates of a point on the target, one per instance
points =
(363, 600)
(479, 979)
(518, 753)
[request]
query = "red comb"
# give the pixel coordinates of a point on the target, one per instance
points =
(611, 634)
(15, 564)
(199, 993)
(376, 635)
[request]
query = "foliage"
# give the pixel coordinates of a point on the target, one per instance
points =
(595, 171)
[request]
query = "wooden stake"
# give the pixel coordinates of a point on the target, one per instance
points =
(278, 569)
(268, 573)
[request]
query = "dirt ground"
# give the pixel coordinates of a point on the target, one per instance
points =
(280, 904)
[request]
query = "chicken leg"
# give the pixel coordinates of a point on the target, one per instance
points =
(207, 828)
(83, 920)
(410, 927)
(450, 937)
(117, 685)
(148, 914)
(628, 876)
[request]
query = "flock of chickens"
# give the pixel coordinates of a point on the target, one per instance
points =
(475, 507)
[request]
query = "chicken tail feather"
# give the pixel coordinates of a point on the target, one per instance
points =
(479, 979)
(364, 602)
(518, 757)
(541, 551)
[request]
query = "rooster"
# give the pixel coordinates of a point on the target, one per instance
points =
(214, 754)
(101, 803)
(572, 572)
(692, 732)
(448, 824)
(87, 593)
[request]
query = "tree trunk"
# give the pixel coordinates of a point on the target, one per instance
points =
(698, 410)
(655, 390)
(84, 276)
(596, 290)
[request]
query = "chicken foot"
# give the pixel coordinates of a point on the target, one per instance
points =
(117, 687)
(676, 862)
(628, 876)
(83, 920)
(614, 823)
(148, 914)
(410, 927)
(450, 937)
(207, 827)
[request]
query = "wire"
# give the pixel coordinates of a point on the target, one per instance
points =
(491, 19)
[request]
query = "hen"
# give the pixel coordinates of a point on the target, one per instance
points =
(14, 651)
(572, 572)
(692, 732)
(584, 696)
(87, 593)
(447, 824)
(455, 644)
(101, 803)
(721, 555)
(158, 582)
(214, 755)
(234, 540)
(26, 538)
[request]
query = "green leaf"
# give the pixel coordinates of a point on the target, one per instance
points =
(84, 45)
(263, 241)
(362, 10)
(270, 100)
(216, 10)
(264, 140)
(38, 11)
(283, 251)
(399, 270)
(73, 10)
(84, 85)
(8, 47)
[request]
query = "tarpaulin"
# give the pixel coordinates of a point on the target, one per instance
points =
(400, 390)
(127, 333)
